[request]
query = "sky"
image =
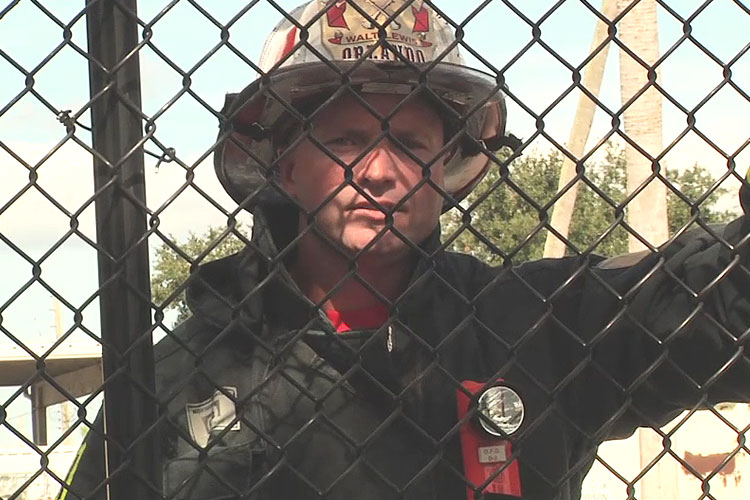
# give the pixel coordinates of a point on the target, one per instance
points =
(183, 36)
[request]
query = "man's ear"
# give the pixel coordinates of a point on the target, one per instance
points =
(285, 169)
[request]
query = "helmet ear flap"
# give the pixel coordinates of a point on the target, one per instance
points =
(483, 127)
(492, 134)
(229, 100)
(243, 150)
(492, 126)
(483, 130)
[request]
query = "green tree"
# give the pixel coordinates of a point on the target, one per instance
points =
(502, 218)
(172, 264)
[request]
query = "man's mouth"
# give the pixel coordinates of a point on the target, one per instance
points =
(382, 207)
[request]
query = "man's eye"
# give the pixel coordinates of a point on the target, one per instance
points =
(413, 144)
(341, 141)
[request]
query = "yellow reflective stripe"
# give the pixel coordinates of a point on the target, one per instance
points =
(71, 473)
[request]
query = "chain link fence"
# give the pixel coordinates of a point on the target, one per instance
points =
(165, 333)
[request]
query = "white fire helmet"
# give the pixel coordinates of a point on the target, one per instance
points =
(360, 46)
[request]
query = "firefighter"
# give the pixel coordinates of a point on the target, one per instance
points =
(345, 354)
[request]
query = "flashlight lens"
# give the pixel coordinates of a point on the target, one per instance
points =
(501, 410)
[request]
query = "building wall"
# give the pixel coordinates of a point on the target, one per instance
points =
(18, 466)
(703, 442)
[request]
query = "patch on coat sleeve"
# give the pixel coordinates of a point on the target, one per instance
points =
(215, 413)
(622, 261)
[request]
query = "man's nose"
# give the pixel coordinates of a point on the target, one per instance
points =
(379, 168)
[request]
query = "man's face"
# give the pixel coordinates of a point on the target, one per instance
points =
(386, 173)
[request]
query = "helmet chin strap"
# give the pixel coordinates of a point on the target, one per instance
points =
(472, 147)
(503, 141)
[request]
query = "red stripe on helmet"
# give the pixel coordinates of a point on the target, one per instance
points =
(289, 45)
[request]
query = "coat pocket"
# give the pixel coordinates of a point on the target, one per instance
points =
(223, 473)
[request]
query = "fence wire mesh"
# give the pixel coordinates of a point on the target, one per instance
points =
(310, 267)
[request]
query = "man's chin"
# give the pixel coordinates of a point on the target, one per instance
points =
(387, 246)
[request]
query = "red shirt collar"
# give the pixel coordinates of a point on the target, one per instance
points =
(358, 319)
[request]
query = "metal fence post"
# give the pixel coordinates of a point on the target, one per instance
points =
(128, 362)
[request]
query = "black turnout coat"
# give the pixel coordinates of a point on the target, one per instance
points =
(292, 410)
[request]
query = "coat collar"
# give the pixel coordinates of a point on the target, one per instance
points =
(255, 285)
